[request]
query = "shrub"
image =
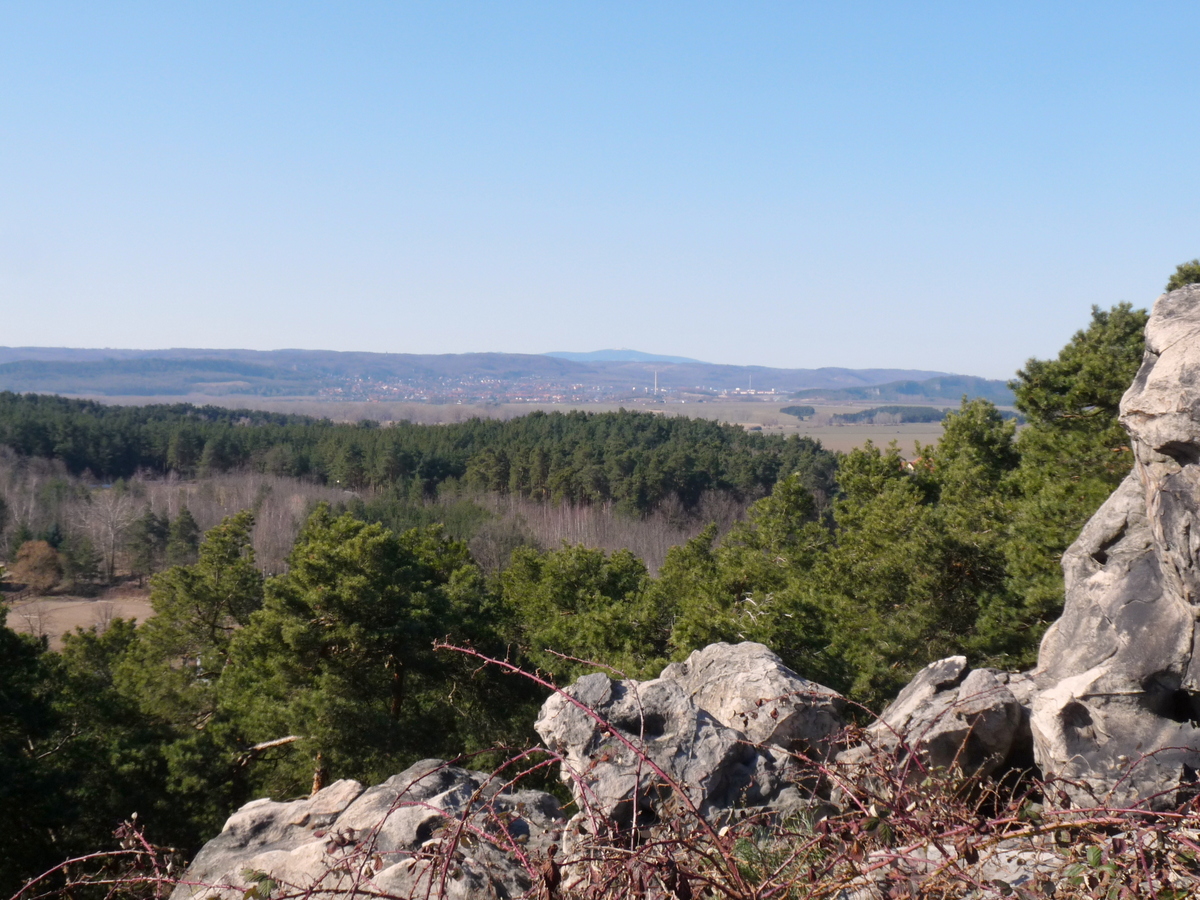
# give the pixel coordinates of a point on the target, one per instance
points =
(38, 566)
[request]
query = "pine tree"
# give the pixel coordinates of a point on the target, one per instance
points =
(585, 604)
(81, 561)
(183, 539)
(26, 788)
(1074, 453)
(341, 653)
(146, 543)
(753, 585)
(1184, 274)
(183, 648)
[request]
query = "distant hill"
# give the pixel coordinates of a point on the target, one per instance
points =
(621, 356)
(904, 415)
(940, 389)
(129, 377)
(434, 378)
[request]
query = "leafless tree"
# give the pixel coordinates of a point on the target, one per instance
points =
(36, 618)
(280, 504)
(601, 526)
(104, 611)
(106, 519)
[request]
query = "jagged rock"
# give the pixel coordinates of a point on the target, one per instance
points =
(936, 869)
(950, 715)
(702, 723)
(383, 839)
(746, 687)
(1118, 673)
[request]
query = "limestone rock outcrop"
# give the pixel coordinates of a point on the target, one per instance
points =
(748, 688)
(383, 840)
(949, 716)
(1119, 679)
(719, 726)
(722, 725)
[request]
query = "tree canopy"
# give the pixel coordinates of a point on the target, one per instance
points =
(1073, 453)
(1184, 274)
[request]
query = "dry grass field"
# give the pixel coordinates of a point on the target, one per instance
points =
(748, 413)
(55, 616)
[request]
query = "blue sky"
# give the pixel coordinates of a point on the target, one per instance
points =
(935, 185)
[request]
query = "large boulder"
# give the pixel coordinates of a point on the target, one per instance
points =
(748, 688)
(951, 716)
(391, 839)
(1116, 714)
(720, 727)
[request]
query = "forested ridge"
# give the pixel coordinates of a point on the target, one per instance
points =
(856, 569)
(637, 459)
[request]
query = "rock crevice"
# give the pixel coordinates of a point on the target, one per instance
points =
(1116, 711)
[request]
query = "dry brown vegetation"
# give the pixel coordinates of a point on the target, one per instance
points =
(40, 493)
(52, 617)
(601, 527)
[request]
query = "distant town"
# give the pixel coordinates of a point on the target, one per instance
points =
(530, 389)
(467, 378)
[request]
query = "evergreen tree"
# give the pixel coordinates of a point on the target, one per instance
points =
(183, 451)
(106, 758)
(172, 671)
(81, 561)
(341, 654)
(52, 535)
(886, 585)
(183, 539)
(1073, 454)
(586, 604)
(26, 792)
(184, 647)
(20, 535)
(752, 586)
(972, 466)
(1184, 274)
(146, 543)
(217, 455)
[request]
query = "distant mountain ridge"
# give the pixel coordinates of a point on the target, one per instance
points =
(622, 355)
(942, 388)
(463, 377)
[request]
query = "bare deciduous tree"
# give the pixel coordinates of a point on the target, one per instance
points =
(106, 519)
(602, 527)
(35, 617)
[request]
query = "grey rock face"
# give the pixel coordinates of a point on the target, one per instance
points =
(746, 687)
(383, 839)
(698, 724)
(950, 716)
(1118, 674)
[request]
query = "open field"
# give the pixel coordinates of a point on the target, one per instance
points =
(58, 615)
(748, 413)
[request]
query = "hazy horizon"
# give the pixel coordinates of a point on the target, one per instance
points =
(853, 186)
(609, 354)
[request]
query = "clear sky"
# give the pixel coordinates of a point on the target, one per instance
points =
(930, 185)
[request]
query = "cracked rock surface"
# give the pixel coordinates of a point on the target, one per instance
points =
(1118, 674)
(347, 840)
(720, 725)
(951, 715)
